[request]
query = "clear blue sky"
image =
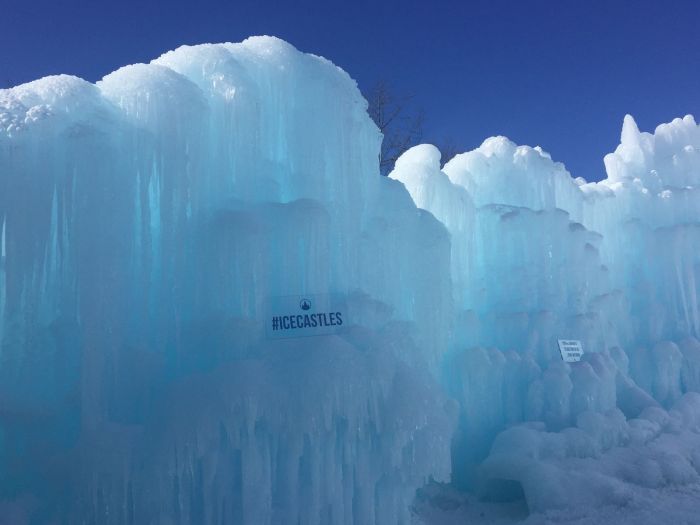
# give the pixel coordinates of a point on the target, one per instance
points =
(556, 74)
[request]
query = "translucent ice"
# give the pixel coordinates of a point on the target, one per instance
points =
(538, 256)
(146, 221)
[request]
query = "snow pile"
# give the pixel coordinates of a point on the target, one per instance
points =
(599, 461)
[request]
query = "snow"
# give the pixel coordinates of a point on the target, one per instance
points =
(148, 219)
(672, 504)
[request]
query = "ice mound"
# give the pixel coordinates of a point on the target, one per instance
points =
(501, 172)
(668, 158)
(599, 461)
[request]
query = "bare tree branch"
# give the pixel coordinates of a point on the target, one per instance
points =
(399, 122)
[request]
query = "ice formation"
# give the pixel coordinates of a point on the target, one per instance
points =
(146, 219)
(536, 255)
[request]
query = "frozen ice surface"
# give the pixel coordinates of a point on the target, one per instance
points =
(148, 218)
(145, 221)
(614, 264)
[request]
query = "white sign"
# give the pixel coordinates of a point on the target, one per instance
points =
(571, 350)
(305, 315)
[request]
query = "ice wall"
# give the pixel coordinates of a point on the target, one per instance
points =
(647, 211)
(523, 269)
(539, 256)
(145, 221)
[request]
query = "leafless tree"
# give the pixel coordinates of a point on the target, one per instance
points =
(397, 119)
(401, 123)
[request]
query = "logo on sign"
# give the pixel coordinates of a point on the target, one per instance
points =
(571, 350)
(306, 315)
